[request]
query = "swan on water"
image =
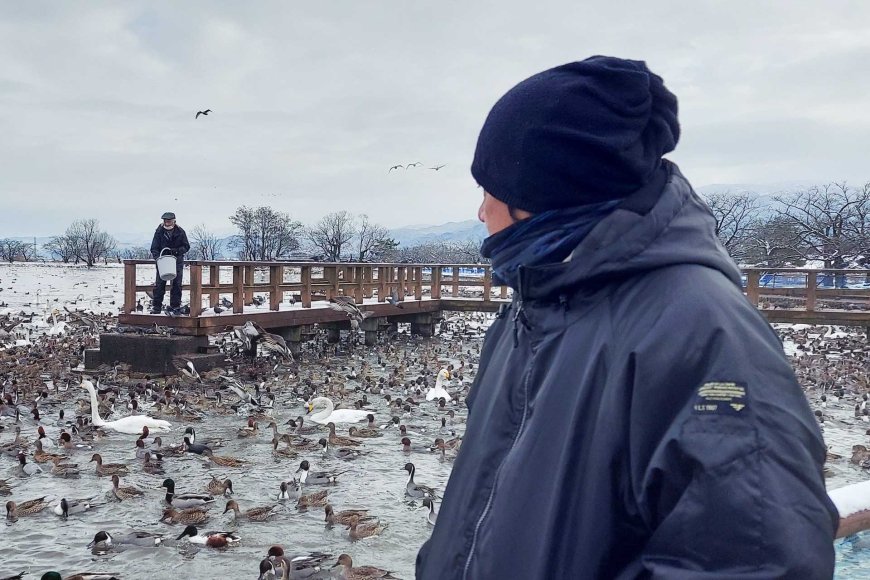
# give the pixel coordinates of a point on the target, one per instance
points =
(438, 390)
(131, 425)
(333, 415)
(854, 507)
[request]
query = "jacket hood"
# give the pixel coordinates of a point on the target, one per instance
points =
(664, 224)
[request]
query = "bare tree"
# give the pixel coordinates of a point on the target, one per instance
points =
(773, 242)
(264, 234)
(137, 253)
(371, 238)
(735, 216)
(831, 221)
(28, 251)
(90, 242)
(205, 244)
(61, 248)
(10, 250)
(438, 252)
(332, 234)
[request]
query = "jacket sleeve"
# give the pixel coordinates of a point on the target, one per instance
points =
(183, 245)
(155, 245)
(726, 456)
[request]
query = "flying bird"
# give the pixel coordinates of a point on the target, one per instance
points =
(415, 164)
(347, 305)
(437, 167)
(206, 112)
(395, 167)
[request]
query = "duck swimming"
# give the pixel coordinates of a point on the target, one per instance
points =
(104, 541)
(317, 477)
(257, 514)
(349, 572)
(72, 506)
(185, 500)
(416, 490)
(218, 487)
(108, 468)
(210, 539)
(188, 516)
(26, 508)
(80, 576)
(124, 492)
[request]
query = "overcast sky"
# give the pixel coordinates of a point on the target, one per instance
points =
(313, 102)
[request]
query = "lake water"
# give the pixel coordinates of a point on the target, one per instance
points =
(376, 481)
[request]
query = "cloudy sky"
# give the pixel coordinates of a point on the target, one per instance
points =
(313, 102)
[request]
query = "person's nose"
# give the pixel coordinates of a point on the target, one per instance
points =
(481, 214)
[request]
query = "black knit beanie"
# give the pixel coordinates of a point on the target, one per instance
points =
(580, 133)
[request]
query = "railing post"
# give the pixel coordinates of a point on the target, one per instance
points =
(487, 283)
(214, 279)
(502, 292)
(305, 279)
(384, 272)
(129, 287)
(249, 281)
(435, 290)
(752, 280)
(359, 278)
(195, 289)
(276, 277)
(418, 283)
(400, 282)
(811, 291)
(369, 279)
(455, 292)
(238, 290)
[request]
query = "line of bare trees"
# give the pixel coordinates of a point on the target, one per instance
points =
(83, 242)
(827, 223)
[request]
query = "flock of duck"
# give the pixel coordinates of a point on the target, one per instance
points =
(332, 439)
(307, 429)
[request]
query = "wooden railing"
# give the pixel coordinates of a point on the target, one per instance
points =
(838, 286)
(310, 281)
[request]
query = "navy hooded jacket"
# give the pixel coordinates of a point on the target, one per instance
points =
(634, 416)
(174, 239)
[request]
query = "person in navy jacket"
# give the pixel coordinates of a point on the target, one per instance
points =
(633, 416)
(169, 235)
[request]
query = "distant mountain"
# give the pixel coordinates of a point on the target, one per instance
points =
(759, 189)
(449, 232)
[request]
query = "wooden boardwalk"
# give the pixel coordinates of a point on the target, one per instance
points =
(784, 295)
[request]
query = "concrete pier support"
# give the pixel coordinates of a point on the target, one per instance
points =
(333, 330)
(371, 326)
(152, 353)
(293, 336)
(425, 329)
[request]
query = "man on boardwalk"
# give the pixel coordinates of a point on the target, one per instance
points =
(633, 416)
(171, 237)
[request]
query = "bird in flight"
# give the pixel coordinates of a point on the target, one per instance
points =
(206, 112)
(395, 167)
(413, 164)
(437, 167)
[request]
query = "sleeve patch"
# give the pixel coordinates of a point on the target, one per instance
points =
(721, 398)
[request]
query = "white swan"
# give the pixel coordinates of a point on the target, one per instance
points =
(131, 425)
(853, 503)
(333, 415)
(438, 390)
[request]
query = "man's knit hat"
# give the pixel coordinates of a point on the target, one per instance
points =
(577, 134)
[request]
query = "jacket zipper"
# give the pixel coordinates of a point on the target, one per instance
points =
(519, 432)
